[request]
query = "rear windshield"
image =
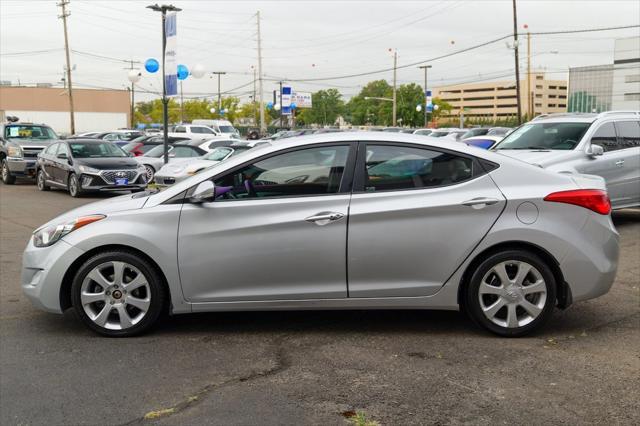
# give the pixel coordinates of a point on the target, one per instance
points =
(227, 129)
(27, 131)
(561, 136)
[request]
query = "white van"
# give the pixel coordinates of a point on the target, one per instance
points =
(223, 127)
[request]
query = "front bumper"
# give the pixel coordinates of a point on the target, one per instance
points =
(96, 182)
(22, 167)
(43, 271)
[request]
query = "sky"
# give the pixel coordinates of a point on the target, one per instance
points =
(304, 40)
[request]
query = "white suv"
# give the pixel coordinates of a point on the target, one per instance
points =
(605, 144)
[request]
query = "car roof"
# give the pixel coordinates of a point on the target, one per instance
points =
(85, 139)
(573, 117)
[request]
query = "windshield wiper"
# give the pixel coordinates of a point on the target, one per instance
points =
(530, 147)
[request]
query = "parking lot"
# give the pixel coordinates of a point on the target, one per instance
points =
(395, 367)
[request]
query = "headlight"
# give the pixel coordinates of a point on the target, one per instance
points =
(87, 169)
(48, 235)
(15, 151)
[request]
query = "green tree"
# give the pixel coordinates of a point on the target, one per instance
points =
(327, 105)
(361, 111)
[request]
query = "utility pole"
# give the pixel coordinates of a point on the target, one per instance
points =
(255, 108)
(515, 49)
(181, 105)
(529, 92)
(133, 95)
(219, 73)
(395, 64)
(263, 125)
(63, 4)
(425, 68)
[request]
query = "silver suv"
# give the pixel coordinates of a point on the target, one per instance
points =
(605, 144)
(20, 144)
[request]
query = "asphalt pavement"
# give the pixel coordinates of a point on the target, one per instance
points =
(391, 367)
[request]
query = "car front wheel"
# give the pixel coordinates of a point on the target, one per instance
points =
(7, 177)
(511, 293)
(150, 172)
(118, 293)
(74, 186)
(41, 181)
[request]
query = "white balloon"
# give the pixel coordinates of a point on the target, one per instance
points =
(212, 110)
(436, 107)
(419, 108)
(276, 107)
(198, 71)
(134, 76)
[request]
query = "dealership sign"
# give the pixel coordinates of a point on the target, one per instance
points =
(171, 63)
(301, 99)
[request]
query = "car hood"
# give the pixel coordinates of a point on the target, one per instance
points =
(182, 167)
(108, 163)
(105, 207)
(539, 157)
(32, 143)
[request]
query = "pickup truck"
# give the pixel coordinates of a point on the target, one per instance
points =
(20, 144)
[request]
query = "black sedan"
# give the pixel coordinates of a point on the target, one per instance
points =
(85, 165)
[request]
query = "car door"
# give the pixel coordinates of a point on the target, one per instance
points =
(416, 213)
(628, 133)
(277, 230)
(47, 161)
(611, 165)
(61, 164)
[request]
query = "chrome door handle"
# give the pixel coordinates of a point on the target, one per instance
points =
(480, 202)
(324, 218)
(620, 163)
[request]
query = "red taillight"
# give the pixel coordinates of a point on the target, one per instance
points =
(592, 199)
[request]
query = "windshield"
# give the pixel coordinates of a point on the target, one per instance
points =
(562, 136)
(439, 134)
(27, 131)
(218, 154)
(156, 152)
(227, 129)
(95, 150)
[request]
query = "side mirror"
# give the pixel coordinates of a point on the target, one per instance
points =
(204, 192)
(594, 150)
(62, 156)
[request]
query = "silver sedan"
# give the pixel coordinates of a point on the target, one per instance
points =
(335, 221)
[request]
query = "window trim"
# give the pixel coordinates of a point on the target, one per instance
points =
(346, 182)
(615, 133)
(358, 185)
(619, 137)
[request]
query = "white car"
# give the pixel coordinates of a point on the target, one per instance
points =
(217, 141)
(222, 127)
(179, 170)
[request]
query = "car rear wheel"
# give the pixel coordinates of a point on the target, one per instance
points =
(150, 172)
(117, 293)
(74, 186)
(511, 293)
(41, 181)
(7, 177)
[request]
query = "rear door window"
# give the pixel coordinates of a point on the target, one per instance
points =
(628, 134)
(605, 136)
(393, 167)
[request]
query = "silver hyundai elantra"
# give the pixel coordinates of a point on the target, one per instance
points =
(335, 221)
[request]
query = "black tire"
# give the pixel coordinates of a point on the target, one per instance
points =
(73, 186)
(7, 177)
(40, 181)
(472, 298)
(158, 295)
(150, 173)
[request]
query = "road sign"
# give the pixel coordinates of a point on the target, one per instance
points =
(285, 102)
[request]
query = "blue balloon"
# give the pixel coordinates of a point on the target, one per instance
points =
(151, 65)
(269, 105)
(293, 105)
(183, 72)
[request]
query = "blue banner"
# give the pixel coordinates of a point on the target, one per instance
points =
(171, 61)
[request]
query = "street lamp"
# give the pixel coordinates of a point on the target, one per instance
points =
(133, 76)
(165, 101)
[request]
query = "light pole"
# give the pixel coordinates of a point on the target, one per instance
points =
(165, 101)
(517, 61)
(395, 66)
(425, 68)
(134, 76)
(219, 73)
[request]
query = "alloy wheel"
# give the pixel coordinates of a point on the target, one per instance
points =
(115, 295)
(512, 294)
(40, 181)
(149, 172)
(73, 186)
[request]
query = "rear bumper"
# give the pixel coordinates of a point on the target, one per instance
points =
(589, 267)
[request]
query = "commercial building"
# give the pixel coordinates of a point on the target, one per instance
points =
(608, 87)
(95, 110)
(497, 100)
